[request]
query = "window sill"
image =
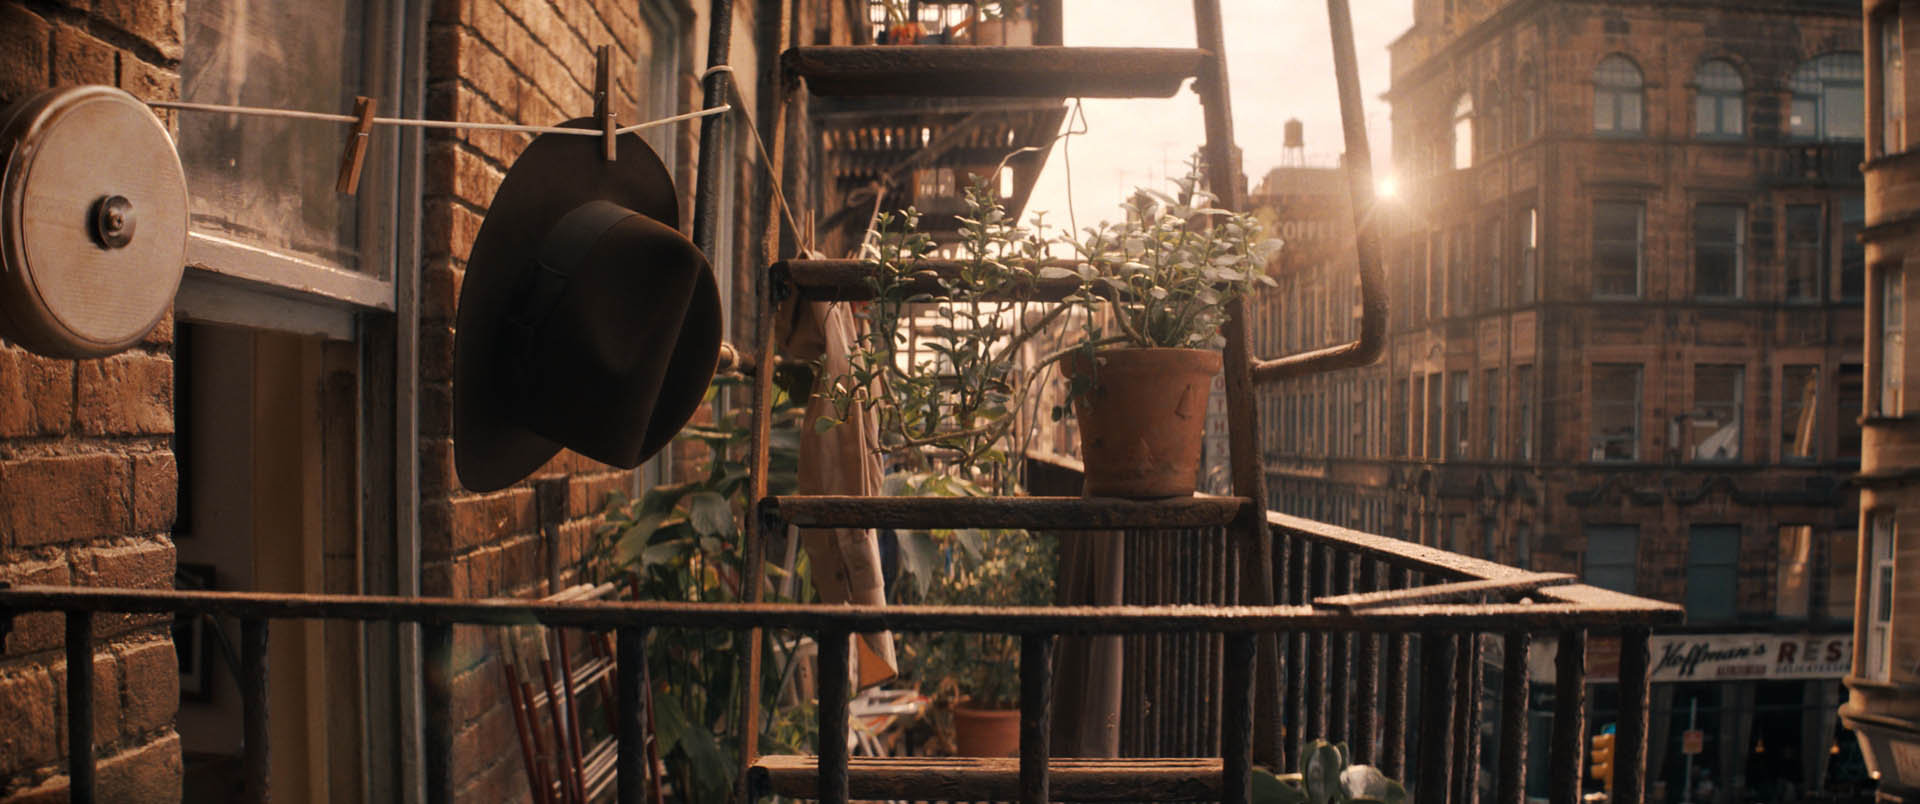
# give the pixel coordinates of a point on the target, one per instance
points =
(238, 261)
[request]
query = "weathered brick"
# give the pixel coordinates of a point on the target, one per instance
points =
(126, 394)
(148, 82)
(440, 289)
(436, 467)
(30, 738)
(156, 492)
(79, 58)
(151, 685)
(63, 499)
(588, 496)
(38, 631)
(162, 332)
(23, 48)
(106, 698)
(36, 394)
(146, 772)
(478, 745)
(157, 23)
(436, 409)
(484, 518)
(141, 563)
(436, 352)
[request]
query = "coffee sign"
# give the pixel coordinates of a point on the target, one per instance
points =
(1729, 657)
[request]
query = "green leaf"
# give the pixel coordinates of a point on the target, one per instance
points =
(1321, 775)
(1057, 272)
(1271, 789)
(825, 423)
(1367, 783)
(710, 514)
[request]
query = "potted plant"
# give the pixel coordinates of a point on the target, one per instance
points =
(1156, 288)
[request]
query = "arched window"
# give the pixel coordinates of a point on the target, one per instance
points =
(1617, 97)
(1718, 107)
(1828, 100)
(1463, 132)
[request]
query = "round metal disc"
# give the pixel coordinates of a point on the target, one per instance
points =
(93, 222)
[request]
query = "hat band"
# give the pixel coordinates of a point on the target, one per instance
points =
(540, 291)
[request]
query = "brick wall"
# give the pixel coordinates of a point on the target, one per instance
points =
(523, 62)
(86, 462)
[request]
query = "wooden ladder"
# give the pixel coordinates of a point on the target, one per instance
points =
(1045, 70)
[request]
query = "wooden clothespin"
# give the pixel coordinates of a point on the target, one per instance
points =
(603, 99)
(356, 151)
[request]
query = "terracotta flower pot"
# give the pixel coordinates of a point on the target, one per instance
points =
(986, 732)
(1142, 422)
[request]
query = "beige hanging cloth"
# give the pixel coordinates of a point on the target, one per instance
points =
(842, 460)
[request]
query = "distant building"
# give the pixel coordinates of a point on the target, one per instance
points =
(1625, 342)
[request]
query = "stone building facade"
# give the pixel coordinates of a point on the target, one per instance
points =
(1625, 343)
(287, 427)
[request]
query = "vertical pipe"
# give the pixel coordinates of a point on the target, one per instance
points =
(1049, 24)
(1236, 733)
(1366, 724)
(1393, 760)
(1569, 712)
(630, 654)
(713, 127)
(1433, 775)
(253, 707)
(1630, 739)
(436, 647)
(80, 706)
(834, 694)
(1036, 715)
(1513, 720)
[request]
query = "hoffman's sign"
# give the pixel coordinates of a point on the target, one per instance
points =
(1729, 657)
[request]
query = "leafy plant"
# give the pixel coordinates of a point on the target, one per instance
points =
(1327, 778)
(1165, 276)
(683, 542)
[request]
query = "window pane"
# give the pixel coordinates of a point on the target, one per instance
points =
(1717, 241)
(268, 182)
(1853, 255)
(1616, 249)
(1799, 406)
(1843, 550)
(1793, 585)
(1459, 273)
(1459, 430)
(1612, 557)
(1713, 556)
(1893, 340)
(1523, 414)
(1436, 407)
(1893, 86)
(1526, 232)
(1705, 113)
(1714, 422)
(1630, 111)
(1490, 392)
(1850, 398)
(1489, 278)
(1806, 251)
(1616, 412)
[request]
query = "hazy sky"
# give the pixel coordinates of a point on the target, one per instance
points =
(1280, 65)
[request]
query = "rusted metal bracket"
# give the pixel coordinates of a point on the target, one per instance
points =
(1366, 225)
(1444, 593)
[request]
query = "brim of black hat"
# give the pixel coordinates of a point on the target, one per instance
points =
(492, 449)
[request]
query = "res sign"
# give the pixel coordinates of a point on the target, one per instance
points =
(1726, 657)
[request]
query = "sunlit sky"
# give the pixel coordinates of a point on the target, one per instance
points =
(1280, 65)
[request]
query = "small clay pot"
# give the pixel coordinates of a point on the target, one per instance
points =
(986, 732)
(1142, 422)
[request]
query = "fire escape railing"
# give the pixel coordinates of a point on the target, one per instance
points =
(1353, 603)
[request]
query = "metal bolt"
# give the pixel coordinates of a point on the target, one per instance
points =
(113, 221)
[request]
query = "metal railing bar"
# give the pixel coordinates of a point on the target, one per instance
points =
(1514, 685)
(1433, 775)
(1399, 552)
(1316, 693)
(1636, 663)
(1341, 665)
(833, 691)
(1443, 592)
(436, 647)
(1569, 718)
(630, 655)
(258, 764)
(1236, 711)
(1466, 741)
(1393, 760)
(1295, 706)
(80, 768)
(1036, 715)
(1366, 726)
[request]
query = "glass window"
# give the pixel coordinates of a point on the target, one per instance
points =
(1853, 255)
(1616, 412)
(1799, 413)
(1893, 338)
(1457, 534)
(1843, 566)
(1893, 86)
(1617, 97)
(1713, 426)
(1490, 392)
(1523, 545)
(1827, 99)
(1793, 587)
(1463, 132)
(1527, 234)
(1806, 238)
(1436, 407)
(1619, 238)
(267, 184)
(1523, 411)
(1612, 560)
(1457, 427)
(1436, 275)
(1719, 246)
(1490, 260)
(1717, 101)
(1399, 423)
(1879, 631)
(1460, 273)
(1850, 404)
(1713, 560)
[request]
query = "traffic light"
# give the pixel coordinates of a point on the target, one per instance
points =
(1601, 758)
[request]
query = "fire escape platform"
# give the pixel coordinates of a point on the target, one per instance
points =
(1037, 513)
(995, 778)
(998, 72)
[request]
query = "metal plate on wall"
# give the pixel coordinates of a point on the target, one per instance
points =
(93, 222)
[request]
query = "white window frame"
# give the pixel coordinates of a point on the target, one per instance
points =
(1878, 606)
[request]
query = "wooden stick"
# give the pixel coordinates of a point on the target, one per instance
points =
(603, 99)
(356, 151)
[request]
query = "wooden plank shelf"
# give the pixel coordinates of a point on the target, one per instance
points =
(1037, 513)
(954, 71)
(995, 778)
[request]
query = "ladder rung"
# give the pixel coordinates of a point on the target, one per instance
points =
(996, 778)
(1002, 72)
(1037, 513)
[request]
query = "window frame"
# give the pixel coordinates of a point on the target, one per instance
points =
(1719, 100)
(1614, 95)
(1696, 419)
(1793, 248)
(1464, 146)
(1627, 565)
(1459, 415)
(1890, 363)
(1523, 409)
(1892, 82)
(1597, 442)
(1880, 570)
(1702, 566)
(1812, 88)
(1639, 209)
(1703, 249)
(1797, 403)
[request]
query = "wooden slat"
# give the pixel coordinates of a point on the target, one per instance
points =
(999, 72)
(1443, 593)
(998, 778)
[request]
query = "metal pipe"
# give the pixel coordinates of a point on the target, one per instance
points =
(80, 771)
(1366, 226)
(1036, 715)
(834, 694)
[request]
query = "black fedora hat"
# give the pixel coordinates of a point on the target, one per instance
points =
(586, 320)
